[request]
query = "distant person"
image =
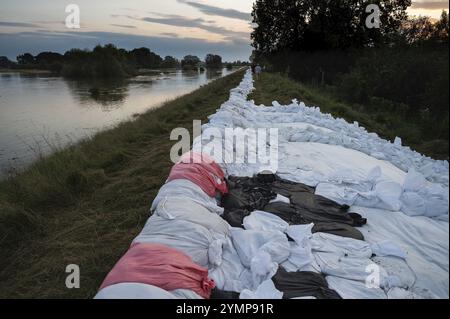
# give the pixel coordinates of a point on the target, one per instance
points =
(258, 71)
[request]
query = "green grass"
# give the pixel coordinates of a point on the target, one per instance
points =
(377, 117)
(84, 204)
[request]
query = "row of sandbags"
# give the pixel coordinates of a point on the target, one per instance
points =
(268, 256)
(180, 242)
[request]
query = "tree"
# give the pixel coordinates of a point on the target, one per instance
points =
(5, 62)
(144, 58)
(190, 62)
(322, 24)
(170, 62)
(25, 59)
(213, 61)
(422, 31)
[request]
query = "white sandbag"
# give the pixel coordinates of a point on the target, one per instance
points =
(133, 291)
(185, 294)
(414, 181)
(262, 268)
(266, 290)
(249, 243)
(357, 269)
(186, 188)
(197, 242)
(350, 289)
(341, 246)
(259, 220)
(387, 248)
(300, 254)
(389, 193)
(186, 209)
(343, 195)
(413, 204)
(229, 276)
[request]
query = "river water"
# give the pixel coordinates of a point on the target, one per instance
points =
(39, 110)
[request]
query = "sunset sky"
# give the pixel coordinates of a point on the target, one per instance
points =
(169, 27)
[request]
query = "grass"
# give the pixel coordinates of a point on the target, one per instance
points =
(84, 204)
(377, 117)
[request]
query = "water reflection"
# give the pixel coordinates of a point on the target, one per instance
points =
(108, 94)
(40, 109)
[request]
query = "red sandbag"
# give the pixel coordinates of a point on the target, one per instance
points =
(201, 170)
(160, 266)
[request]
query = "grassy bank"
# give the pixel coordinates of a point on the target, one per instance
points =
(377, 117)
(84, 204)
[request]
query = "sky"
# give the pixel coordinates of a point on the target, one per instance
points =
(168, 27)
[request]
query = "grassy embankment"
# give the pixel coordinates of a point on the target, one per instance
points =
(388, 124)
(85, 204)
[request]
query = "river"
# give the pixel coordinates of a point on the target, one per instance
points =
(41, 111)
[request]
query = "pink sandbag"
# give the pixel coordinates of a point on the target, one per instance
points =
(201, 170)
(160, 266)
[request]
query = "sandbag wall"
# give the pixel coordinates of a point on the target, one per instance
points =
(344, 214)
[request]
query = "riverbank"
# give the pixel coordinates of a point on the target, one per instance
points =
(26, 71)
(83, 205)
(375, 118)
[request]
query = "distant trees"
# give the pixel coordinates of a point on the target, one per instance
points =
(25, 59)
(213, 61)
(107, 61)
(50, 61)
(144, 58)
(170, 62)
(190, 62)
(322, 25)
(5, 62)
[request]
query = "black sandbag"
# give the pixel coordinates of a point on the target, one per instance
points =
(338, 229)
(223, 295)
(303, 284)
(235, 217)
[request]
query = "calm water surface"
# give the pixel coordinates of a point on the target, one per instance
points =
(38, 110)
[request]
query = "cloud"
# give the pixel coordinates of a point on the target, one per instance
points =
(180, 21)
(170, 35)
(217, 11)
(12, 44)
(123, 26)
(430, 5)
(17, 24)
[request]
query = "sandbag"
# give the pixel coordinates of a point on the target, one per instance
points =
(203, 246)
(186, 188)
(186, 209)
(341, 246)
(130, 290)
(303, 284)
(160, 266)
(259, 220)
(249, 243)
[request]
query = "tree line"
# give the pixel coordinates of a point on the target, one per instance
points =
(107, 61)
(402, 66)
